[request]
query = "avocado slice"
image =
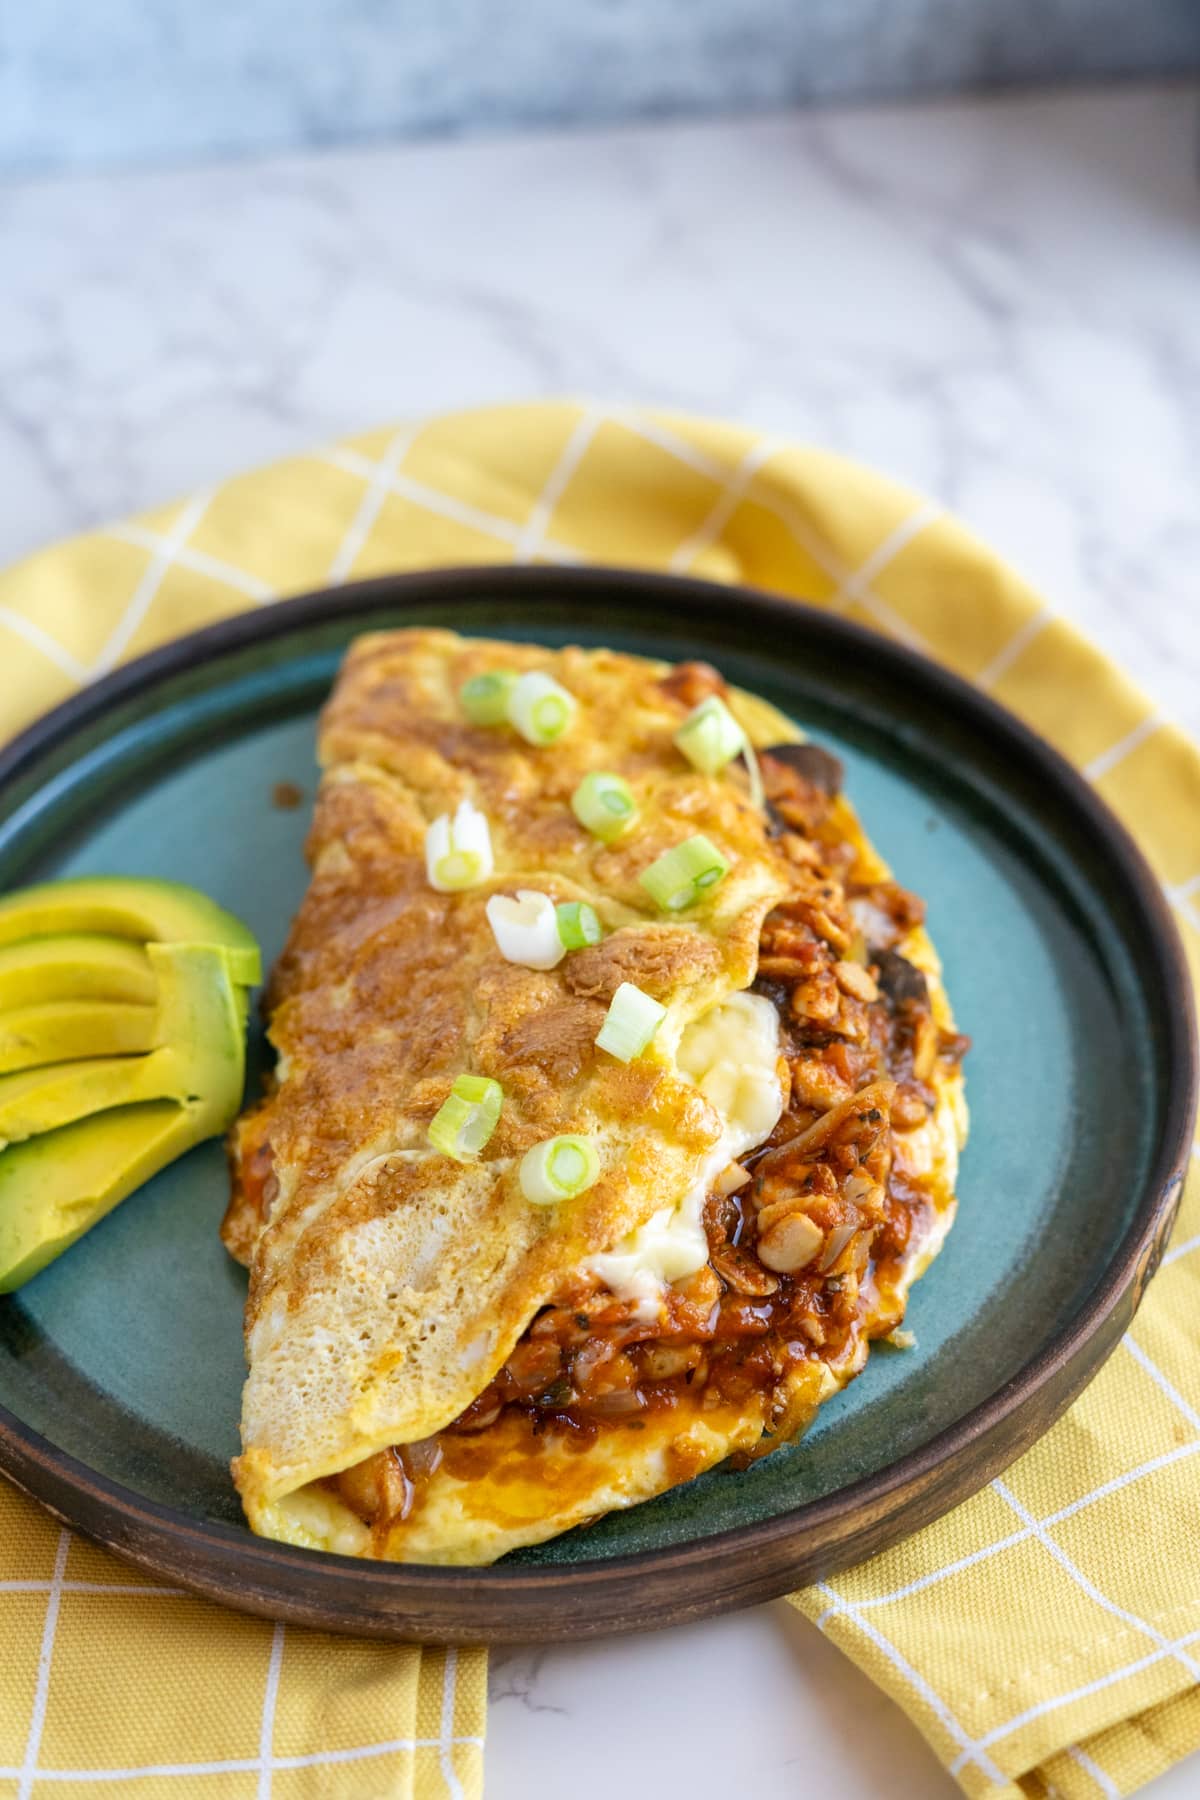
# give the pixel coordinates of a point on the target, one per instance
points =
(54, 1186)
(66, 1030)
(200, 1018)
(128, 907)
(37, 1100)
(83, 966)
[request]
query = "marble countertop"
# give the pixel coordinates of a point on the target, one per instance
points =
(997, 301)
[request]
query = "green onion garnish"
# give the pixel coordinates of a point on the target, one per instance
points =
(484, 698)
(757, 797)
(678, 877)
(604, 805)
(710, 736)
(540, 709)
(632, 1020)
(558, 1169)
(526, 929)
(467, 1118)
(458, 850)
(578, 924)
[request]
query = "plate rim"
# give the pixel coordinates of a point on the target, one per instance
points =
(743, 1564)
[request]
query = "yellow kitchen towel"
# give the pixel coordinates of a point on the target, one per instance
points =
(1045, 1636)
(112, 1684)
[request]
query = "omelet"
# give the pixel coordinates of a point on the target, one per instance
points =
(444, 1365)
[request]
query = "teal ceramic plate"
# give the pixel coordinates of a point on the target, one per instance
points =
(121, 1365)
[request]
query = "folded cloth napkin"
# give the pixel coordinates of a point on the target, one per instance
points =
(1046, 1635)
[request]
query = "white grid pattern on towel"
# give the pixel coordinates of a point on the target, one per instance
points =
(975, 1750)
(384, 477)
(264, 1765)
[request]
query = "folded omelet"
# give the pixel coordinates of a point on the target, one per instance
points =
(443, 1368)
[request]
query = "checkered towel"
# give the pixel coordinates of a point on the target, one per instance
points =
(1046, 1635)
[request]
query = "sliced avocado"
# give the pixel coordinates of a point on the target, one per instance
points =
(129, 907)
(78, 967)
(198, 1032)
(37, 1100)
(53, 1188)
(57, 1184)
(67, 1030)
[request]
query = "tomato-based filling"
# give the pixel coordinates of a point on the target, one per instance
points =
(809, 1236)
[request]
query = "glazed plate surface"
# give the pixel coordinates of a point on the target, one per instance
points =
(121, 1365)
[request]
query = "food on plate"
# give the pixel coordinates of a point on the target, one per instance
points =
(130, 908)
(122, 1043)
(617, 1107)
(80, 966)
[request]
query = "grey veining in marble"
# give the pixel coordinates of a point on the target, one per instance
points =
(999, 301)
(127, 81)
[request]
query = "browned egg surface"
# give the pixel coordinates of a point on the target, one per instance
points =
(542, 1398)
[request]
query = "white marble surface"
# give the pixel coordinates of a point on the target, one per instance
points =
(150, 81)
(998, 301)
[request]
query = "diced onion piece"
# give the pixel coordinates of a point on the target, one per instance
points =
(484, 698)
(604, 805)
(578, 924)
(632, 1020)
(710, 736)
(679, 877)
(540, 708)
(458, 850)
(836, 1242)
(559, 1169)
(731, 1178)
(526, 929)
(467, 1117)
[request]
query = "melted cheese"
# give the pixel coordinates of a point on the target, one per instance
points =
(670, 1245)
(731, 1053)
(315, 1520)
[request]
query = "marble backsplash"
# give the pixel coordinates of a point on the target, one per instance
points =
(149, 81)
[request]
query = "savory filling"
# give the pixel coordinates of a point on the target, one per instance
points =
(802, 1247)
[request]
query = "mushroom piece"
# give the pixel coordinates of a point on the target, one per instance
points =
(900, 982)
(742, 1273)
(820, 768)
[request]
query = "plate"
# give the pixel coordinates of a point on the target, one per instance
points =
(121, 1364)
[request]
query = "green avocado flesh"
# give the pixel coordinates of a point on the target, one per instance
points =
(122, 1044)
(56, 1186)
(147, 911)
(196, 1060)
(66, 1030)
(79, 967)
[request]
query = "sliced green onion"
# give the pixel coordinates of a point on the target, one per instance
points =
(578, 924)
(631, 1022)
(467, 1117)
(458, 850)
(604, 805)
(540, 709)
(526, 929)
(710, 736)
(558, 1169)
(678, 877)
(484, 698)
(757, 797)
